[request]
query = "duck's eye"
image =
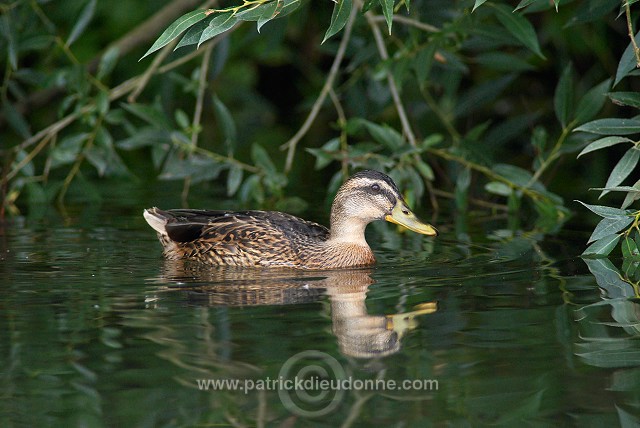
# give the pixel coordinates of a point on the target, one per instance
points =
(375, 188)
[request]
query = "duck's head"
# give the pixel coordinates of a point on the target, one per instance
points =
(367, 196)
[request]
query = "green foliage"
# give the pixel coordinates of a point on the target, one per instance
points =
(341, 12)
(519, 27)
(619, 225)
(204, 25)
(459, 100)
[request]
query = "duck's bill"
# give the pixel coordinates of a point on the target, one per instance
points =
(403, 216)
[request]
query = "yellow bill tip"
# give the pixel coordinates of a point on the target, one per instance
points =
(404, 217)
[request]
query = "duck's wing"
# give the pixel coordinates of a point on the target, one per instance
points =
(188, 225)
(235, 237)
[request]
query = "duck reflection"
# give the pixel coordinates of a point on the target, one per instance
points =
(359, 334)
(362, 335)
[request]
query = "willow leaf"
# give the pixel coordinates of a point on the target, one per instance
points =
(82, 22)
(339, 18)
(592, 102)
(604, 142)
(519, 27)
(623, 168)
(604, 211)
(218, 25)
(477, 4)
(176, 28)
(631, 99)
(387, 11)
(608, 226)
(611, 126)
(564, 96)
(603, 246)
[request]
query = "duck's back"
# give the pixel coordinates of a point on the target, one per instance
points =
(238, 238)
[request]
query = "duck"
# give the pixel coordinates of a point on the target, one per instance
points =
(255, 238)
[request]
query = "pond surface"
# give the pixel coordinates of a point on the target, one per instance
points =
(482, 328)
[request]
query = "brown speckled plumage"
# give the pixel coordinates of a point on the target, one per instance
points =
(275, 239)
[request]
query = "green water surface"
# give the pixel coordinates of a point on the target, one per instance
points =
(489, 328)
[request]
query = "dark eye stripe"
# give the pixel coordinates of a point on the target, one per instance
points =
(369, 189)
(391, 197)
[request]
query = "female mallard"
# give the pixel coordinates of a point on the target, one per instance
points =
(275, 239)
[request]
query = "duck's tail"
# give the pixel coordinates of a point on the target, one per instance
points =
(157, 219)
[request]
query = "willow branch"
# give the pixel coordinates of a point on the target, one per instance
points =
(487, 172)
(187, 147)
(150, 71)
(410, 22)
(75, 169)
(432, 196)
(395, 94)
(636, 50)
(356, 410)
(202, 86)
(384, 55)
(54, 128)
(342, 121)
(553, 155)
(158, 60)
(444, 119)
(143, 33)
(197, 113)
(45, 141)
(114, 94)
(478, 202)
(335, 67)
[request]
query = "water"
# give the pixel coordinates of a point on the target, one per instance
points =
(97, 330)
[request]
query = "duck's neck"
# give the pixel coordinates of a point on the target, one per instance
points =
(347, 243)
(347, 223)
(348, 230)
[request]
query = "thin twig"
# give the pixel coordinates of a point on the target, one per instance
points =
(52, 129)
(342, 118)
(487, 172)
(158, 60)
(233, 420)
(553, 155)
(69, 178)
(143, 33)
(184, 195)
(262, 409)
(444, 119)
(30, 156)
(410, 22)
(119, 91)
(75, 169)
(202, 86)
(395, 94)
(432, 196)
(478, 202)
(217, 157)
(150, 71)
(636, 50)
(114, 94)
(197, 113)
(355, 410)
(342, 121)
(328, 84)
(384, 55)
